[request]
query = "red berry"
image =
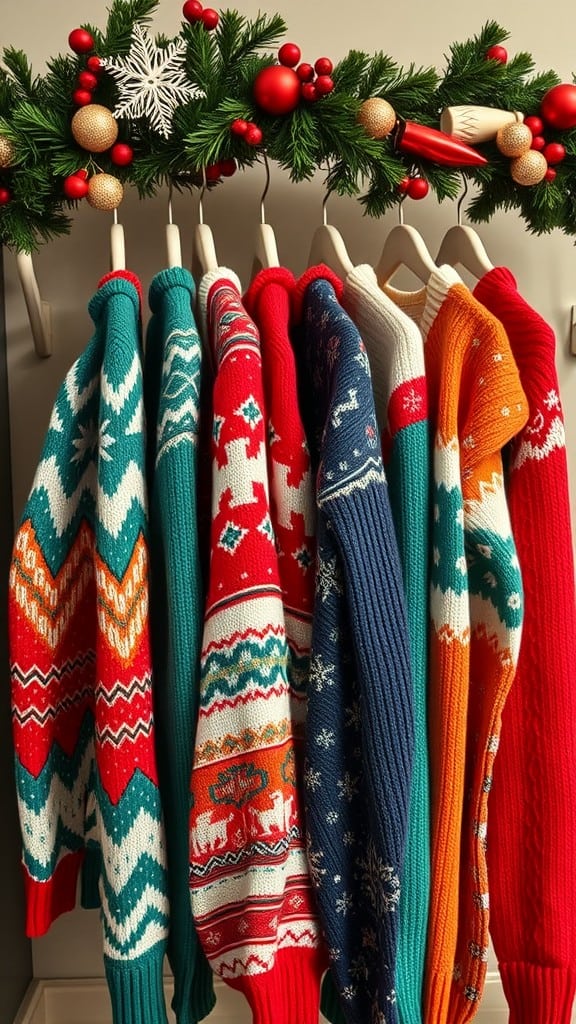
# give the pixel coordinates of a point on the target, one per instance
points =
(86, 80)
(403, 185)
(253, 135)
(323, 66)
(121, 154)
(538, 143)
(227, 168)
(81, 97)
(418, 188)
(80, 41)
(213, 172)
(305, 72)
(82, 173)
(239, 127)
(75, 187)
(535, 124)
(550, 174)
(554, 152)
(93, 64)
(497, 53)
(289, 54)
(192, 10)
(210, 18)
(5, 196)
(323, 85)
(309, 92)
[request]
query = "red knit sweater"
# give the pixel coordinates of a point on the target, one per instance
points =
(532, 834)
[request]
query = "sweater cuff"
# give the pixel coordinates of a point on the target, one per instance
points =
(290, 992)
(137, 988)
(537, 994)
(330, 1006)
(194, 999)
(45, 901)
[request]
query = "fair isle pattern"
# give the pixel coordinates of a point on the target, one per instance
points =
(248, 875)
(81, 686)
(359, 737)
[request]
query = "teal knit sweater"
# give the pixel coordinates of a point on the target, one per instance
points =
(172, 389)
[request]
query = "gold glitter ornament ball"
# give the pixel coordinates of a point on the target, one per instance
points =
(514, 139)
(530, 168)
(94, 128)
(377, 117)
(105, 192)
(7, 152)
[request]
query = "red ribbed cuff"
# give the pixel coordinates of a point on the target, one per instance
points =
(45, 901)
(537, 994)
(290, 992)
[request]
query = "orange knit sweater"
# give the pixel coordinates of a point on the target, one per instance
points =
(476, 406)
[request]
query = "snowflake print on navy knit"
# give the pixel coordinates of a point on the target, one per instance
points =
(332, 350)
(315, 858)
(328, 578)
(380, 881)
(344, 903)
(325, 738)
(312, 777)
(362, 358)
(348, 786)
(321, 673)
(372, 434)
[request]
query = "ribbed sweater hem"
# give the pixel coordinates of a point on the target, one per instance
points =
(45, 901)
(537, 994)
(330, 1004)
(290, 992)
(194, 996)
(437, 998)
(137, 988)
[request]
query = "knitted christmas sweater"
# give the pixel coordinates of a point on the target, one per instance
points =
(359, 730)
(81, 663)
(249, 879)
(396, 354)
(172, 389)
(532, 847)
(476, 406)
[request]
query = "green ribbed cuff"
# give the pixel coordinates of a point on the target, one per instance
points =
(194, 997)
(330, 1001)
(137, 988)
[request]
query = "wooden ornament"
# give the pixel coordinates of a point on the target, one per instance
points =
(7, 152)
(94, 128)
(514, 139)
(377, 117)
(529, 169)
(476, 124)
(105, 192)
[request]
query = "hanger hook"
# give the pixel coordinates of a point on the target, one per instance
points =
(115, 215)
(326, 197)
(170, 216)
(201, 197)
(266, 188)
(461, 200)
(401, 210)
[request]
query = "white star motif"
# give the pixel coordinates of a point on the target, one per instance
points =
(151, 81)
(86, 442)
(552, 401)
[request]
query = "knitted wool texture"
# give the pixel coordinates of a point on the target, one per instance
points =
(172, 391)
(532, 844)
(476, 406)
(81, 664)
(250, 888)
(396, 354)
(359, 736)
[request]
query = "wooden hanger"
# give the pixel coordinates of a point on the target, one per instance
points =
(204, 256)
(39, 313)
(117, 245)
(265, 247)
(404, 247)
(463, 246)
(173, 243)
(329, 247)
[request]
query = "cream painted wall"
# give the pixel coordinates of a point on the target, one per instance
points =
(68, 270)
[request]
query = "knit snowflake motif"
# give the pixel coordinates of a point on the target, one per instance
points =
(151, 81)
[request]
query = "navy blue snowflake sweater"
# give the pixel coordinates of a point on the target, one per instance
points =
(359, 744)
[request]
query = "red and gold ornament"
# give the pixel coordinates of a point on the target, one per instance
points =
(75, 187)
(80, 41)
(309, 93)
(7, 152)
(5, 196)
(498, 53)
(192, 10)
(305, 72)
(121, 154)
(87, 80)
(253, 135)
(417, 188)
(277, 89)
(529, 169)
(558, 107)
(323, 66)
(554, 152)
(514, 139)
(289, 54)
(420, 140)
(94, 128)
(210, 18)
(377, 117)
(81, 97)
(105, 192)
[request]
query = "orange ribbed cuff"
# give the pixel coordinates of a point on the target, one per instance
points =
(45, 901)
(290, 992)
(537, 994)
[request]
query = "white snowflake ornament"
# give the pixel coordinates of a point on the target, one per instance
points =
(151, 81)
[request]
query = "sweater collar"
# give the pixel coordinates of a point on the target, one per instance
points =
(212, 277)
(270, 276)
(319, 273)
(424, 305)
(121, 282)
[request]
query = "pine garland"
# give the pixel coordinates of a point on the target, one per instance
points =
(36, 114)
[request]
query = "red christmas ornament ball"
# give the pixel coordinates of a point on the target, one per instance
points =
(554, 152)
(277, 90)
(289, 54)
(75, 187)
(86, 80)
(213, 172)
(80, 41)
(253, 135)
(558, 107)
(404, 185)
(82, 173)
(239, 126)
(121, 154)
(192, 10)
(550, 174)
(323, 66)
(324, 85)
(81, 97)
(305, 72)
(227, 168)
(497, 53)
(538, 143)
(418, 188)
(535, 124)
(210, 18)
(309, 92)
(93, 64)
(5, 196)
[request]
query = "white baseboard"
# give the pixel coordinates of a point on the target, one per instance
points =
(85, 1001)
